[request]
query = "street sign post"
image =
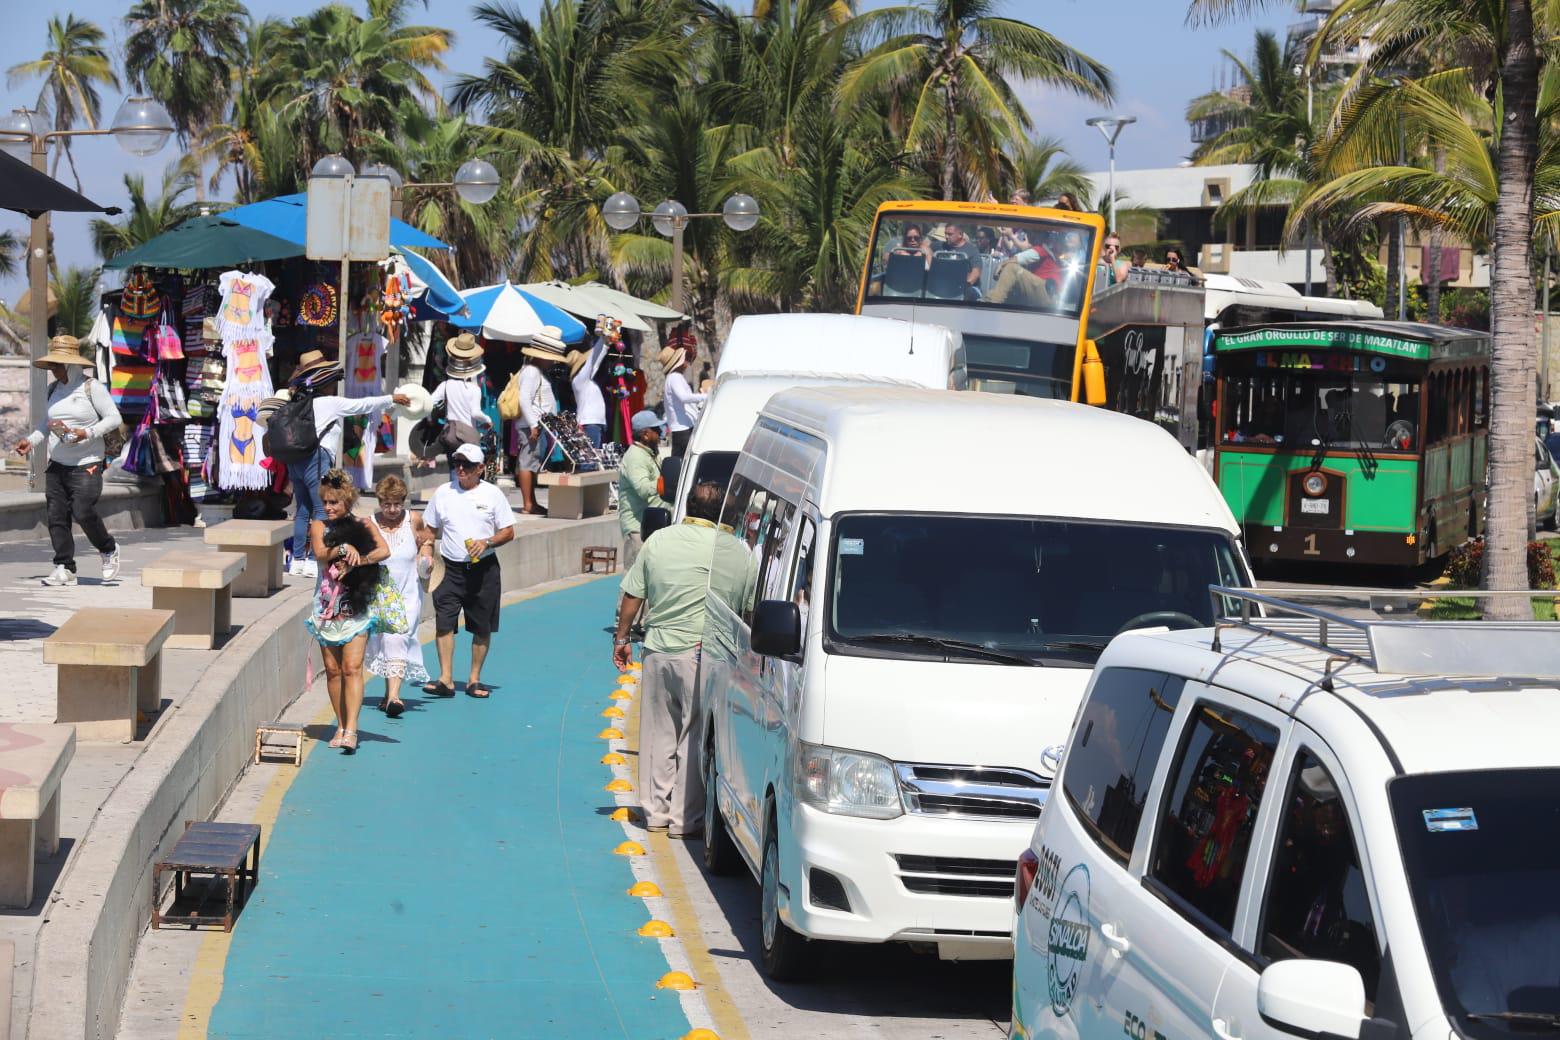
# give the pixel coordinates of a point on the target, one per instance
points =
(348, 219)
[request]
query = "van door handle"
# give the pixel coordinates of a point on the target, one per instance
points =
(1221, 1029)
(1115, 939)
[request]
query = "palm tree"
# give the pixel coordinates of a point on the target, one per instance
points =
(72, 68)
(147, 218)
(1042, 167)
(951, 61)
(12, 247)
(185, 53)
(75, 289)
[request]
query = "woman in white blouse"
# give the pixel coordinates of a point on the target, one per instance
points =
(682, 404)
(80, 412)
(590, 405)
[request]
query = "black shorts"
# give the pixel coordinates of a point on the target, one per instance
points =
(473, 589)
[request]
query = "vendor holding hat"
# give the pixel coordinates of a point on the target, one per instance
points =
(638, 475)
(460, 393)
(317, 376)
(590, 405)
(80, 411)
(682, 404)
(536, 400)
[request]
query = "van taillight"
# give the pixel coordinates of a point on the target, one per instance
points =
(1028, 866)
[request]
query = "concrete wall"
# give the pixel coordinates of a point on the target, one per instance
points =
(123, 507)
(104, 900)
(14, 373)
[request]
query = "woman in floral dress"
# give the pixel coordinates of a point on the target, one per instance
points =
(399, 658)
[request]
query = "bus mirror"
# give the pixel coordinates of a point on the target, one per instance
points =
(1093, 374)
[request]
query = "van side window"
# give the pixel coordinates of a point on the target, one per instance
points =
(1316, 904)
(774, 537)
(1111, 762)
(735, 562)
(1211, 801)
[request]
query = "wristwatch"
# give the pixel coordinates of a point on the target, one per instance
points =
(619, 642)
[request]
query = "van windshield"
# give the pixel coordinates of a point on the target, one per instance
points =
(1482, 851)
(1049, 592)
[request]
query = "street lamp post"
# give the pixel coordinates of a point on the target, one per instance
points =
(141, 126)
(1110, 128)
(622, 211)
(1310, 119)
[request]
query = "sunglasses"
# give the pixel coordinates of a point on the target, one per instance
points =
(464, 464)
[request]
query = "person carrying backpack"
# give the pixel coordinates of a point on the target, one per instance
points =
(305, 433)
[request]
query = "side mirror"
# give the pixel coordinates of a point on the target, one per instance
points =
(655, 519)
(777, 628)
(1093, 374)
(1312, 998)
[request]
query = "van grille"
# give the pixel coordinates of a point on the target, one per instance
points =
(951, 876)
(972, 792)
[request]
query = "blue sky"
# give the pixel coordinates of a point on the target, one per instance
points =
(1160, 63)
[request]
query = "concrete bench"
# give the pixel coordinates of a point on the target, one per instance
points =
(261, 541)
(198, 588)
(574, 496)
(33, 758)
(110, 669)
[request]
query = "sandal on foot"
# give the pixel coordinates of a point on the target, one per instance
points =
(349, 742)
(478, 689)
(439, 689)
(335, 741)
(395, 708)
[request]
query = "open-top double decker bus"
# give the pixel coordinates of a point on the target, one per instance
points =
(1357, 441)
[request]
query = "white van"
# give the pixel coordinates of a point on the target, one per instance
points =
(910, 591)
(766, 353)
(1304, 826)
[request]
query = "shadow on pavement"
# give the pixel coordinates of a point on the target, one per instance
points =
(24, 628)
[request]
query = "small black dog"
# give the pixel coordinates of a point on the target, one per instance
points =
(358, 583)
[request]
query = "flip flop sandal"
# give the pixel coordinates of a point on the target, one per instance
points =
(438, 689)
(395, 708)
(479, 690)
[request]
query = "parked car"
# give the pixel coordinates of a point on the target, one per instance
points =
(1322, 832)
(1546, 486)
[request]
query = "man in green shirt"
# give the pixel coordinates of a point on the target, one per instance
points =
(669, 579)
(638, 477)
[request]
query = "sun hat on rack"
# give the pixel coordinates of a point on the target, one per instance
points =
(315, 369)
(464, 346)
(464, 368)
(64, 350)
(546, 344)
(671, 359)
(268, 407)
(422, 402)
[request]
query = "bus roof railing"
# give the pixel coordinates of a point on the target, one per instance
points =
(1496, 648)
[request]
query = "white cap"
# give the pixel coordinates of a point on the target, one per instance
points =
(470, 452)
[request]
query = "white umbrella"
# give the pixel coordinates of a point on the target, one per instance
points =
(504, 312)
(643, 308)
(586, 303)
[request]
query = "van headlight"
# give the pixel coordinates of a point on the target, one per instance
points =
(848, 783)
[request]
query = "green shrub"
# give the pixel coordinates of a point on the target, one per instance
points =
(1466, 563)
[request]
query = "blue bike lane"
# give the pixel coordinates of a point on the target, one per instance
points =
(456, 878)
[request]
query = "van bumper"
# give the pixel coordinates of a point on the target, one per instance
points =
(911, 879)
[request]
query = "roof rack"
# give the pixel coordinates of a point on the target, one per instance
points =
(1504, 648)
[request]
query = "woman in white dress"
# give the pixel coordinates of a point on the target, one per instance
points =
(398, 658)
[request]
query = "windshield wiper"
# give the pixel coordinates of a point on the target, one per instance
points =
(1092, 646)
(1548, 1018)
(944, 643)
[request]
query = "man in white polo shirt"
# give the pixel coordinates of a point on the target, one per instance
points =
(471, 519)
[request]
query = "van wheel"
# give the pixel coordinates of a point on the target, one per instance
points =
(783, 950)
(720, 854)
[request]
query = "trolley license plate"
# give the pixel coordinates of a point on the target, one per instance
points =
(1315, 505)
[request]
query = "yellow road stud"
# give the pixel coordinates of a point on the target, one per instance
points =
(645, 890)
(621, 695)
(613, 758)
(678, 980)
(620, 786)
(635, 666)
(613, 712)
(629, 848)
(622, 814)
(701, 1034)
(628, 677)
(610, 734)
(655, 930)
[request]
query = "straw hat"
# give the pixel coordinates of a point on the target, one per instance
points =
(671, 359)
(422, 402)
(312, 364)
(269, 406)
(459, 367)
(547, 344)
(577, 359)
(464, 346)
(64, 350)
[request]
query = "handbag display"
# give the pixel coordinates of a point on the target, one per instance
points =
(163, 341)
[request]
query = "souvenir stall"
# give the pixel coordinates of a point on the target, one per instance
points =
(211, 321)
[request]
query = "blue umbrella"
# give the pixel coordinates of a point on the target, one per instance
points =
(287, 216)
(504, 312)
(442, 298)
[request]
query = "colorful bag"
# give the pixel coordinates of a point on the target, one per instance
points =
(138, 456)
(388, 608)
(165, 344)
(168, 401)
(140, 298)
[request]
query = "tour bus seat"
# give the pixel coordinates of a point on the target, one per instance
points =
(905, 275)
(948, 277)
(988, 272)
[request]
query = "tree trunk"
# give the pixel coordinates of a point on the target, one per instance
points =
(1433, 283)
(1511, 317)
(950, 143)
(1390, 301)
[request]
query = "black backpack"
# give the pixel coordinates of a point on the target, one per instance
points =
(290, 436)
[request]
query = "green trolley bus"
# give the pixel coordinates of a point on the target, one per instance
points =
(1352, 442)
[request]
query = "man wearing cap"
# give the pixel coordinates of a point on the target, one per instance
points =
(315, 376)
(639, 477)
(471, 519)
(682, 404)
(80, 411)
(536, 400)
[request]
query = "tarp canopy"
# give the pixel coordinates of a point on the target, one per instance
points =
(643, 308)
(585, 302)
(26, 190)
(287, 216)
(507, 313)
(206, 242)
(438, 294)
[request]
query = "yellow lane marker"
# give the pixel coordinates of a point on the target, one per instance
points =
(677, 980)
(612, 758)
(656, 930)
(619, 786)
(628, 848)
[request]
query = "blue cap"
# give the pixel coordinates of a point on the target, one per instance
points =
(644, 420)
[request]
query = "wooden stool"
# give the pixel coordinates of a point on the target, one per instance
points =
(217, 849)
(261, 541)
(33, 758)
(594, 554)
(198, 588)
(110, 669)
(279, 740)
